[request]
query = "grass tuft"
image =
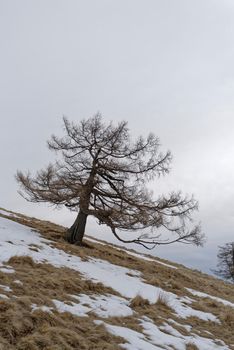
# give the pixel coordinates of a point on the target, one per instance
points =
(191, 346)
(138, 301)
(163, 301)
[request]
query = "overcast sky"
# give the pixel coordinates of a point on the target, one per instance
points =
(165, 66)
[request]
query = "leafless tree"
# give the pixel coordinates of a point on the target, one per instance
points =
(225, 266)
(102, 173)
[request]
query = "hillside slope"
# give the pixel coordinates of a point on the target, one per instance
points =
(54, 295)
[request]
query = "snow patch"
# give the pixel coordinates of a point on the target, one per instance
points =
(204, 295)
(105, 305)
(73, 308)
(5, 288)
(102, 305)
(6, 268)
(136, 340)
(169, 338)
(158, 338)
(140, 256)
(43, 308)
(18, 282)
(3, 296)
(185, 326)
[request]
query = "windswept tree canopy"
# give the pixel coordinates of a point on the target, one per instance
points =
(101, 172)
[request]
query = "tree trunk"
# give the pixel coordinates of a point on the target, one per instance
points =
(76, 232)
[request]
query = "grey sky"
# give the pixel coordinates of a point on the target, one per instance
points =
(165, 66)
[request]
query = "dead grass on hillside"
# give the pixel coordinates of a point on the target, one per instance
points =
(22, 329)
(43, 282)
(223, 332)
(169, 279)
(224, 313)
(159, 312)
(48, 280)
(172, 280)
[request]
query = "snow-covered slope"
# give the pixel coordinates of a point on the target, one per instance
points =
(161, 319)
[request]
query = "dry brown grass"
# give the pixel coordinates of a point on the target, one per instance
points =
(191, 346)
(227, 317)
(22, 329)
(163, 301)
(138, 301)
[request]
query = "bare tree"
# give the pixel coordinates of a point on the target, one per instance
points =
(103, 173)
(225, 266)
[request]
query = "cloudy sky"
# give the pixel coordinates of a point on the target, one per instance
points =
(165, 66)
